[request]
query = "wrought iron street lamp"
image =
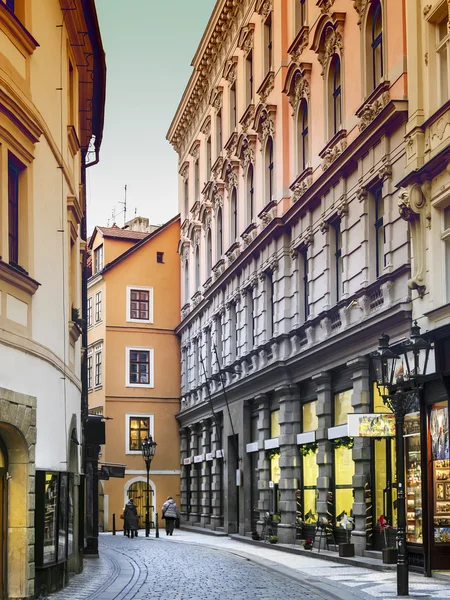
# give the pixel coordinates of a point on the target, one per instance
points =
(399, 378)
(148, 452)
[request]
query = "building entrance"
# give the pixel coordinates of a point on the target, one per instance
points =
(3, 519)
(138, 491)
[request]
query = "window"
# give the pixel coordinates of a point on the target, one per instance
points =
(186, 281)
(186, 198)
(197, 180)
(219, 131)
(219, 341)
(138, 428)
(140, 304)
(269, 169)
(344, 467)
(139, 367)
(13, 210)
(335, 97)
(89, 371)
(379, 232)
(208, 253)
(270, 308)
(268, 44)
(208, 158)
(98, 366)
(234, 216)
(442, 50)
(197, 269)
(249, 77)
(160, 257)
(302, 136)
(446, 239)
(10, 4)
(377, 44)
(89, 311)
(233, 332)
(233, 107)
(208, 352)
(71, 95)
(300, 14)
(98, 258)
(310, 471)
(250, 195)
(336, 244)
(98, 307)
(251, 319)
(196, 363)
(304, 308)
(219, 234)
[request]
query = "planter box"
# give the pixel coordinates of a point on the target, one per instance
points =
(390, 556)
(346, 550)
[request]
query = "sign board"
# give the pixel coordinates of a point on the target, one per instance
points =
(271, 444)
(338, 432)
(271, 484)
(372, 425)
(112, 470)
(209, 455)
(253, 447)
(306, 438)
(187, 461)
(238, 477)
(412, 424)
(198, 458)
(219, 453)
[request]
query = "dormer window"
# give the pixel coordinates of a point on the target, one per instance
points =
(98, 259)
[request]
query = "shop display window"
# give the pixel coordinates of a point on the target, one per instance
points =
(344, 467)
(441, 471)
(310, 466)
(414, 517)
(70, 509)
(50, 517)
(62, 517)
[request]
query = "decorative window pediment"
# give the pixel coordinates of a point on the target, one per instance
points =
(266, 86)
(247, 118)
(206, 127)
(263, 7)
(246, 149)
(231, 145)
(324, 5)
(263, 123)
(216, 97)
(360, 7)
(297, 85)
(246, 36)
(230, 69)
(230, 174)
(195, 149)
(328, 39)
(184, 169)
(300, 43)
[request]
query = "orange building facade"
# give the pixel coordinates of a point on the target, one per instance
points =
(133, 361)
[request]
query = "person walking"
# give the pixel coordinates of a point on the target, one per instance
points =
(131, 519)
(170, 514)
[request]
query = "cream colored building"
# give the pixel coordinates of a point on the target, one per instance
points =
(52, 89)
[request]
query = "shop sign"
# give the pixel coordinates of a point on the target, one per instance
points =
(439, 432)
(198, 458)
(306, 438)
(210, 455)
(253, 447)
(219, 453)
(412, 424)
(271, 444)
(187, 461)
(372, 425)
(112, 470)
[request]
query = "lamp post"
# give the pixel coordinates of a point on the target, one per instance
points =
(148, 452)
(399, 378)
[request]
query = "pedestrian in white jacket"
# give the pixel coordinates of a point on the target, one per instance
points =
(170, 514)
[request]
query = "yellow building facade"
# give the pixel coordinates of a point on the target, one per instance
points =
(134, 361)
(51, 122)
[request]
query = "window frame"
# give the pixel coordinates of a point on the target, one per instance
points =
(234, 216)
(98, 252)
(151, 429)
(98, 366)
(197, 268)
(375, 43)
(445, 237)
(249, 66)
(233, 107)
(442, 46)
(219, 234)
(13, 209)
(270, 306)
(269, 170)
(377, 194)
(98, 307)
(302, 124)
(89, 369)
(336, 94)
(150, 351)
(250, 184)
(268, 44)
(139, 288)
(89, 312)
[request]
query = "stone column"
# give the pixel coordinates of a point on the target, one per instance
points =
(205, 516)
(194, 516)
(184, 500)
(361, 453)
(262, 402)
(325, 452)
(289, 402)
(216, 478)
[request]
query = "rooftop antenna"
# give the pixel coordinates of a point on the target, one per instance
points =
(124, 206)
(113, 215)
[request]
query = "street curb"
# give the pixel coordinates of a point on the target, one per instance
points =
(204, 531)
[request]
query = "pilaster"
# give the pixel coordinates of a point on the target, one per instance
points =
(262, 402)
(216, 479)
(194, 515)
(205, 488)
(184, 500)
(324, 453)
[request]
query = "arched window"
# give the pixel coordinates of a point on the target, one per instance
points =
(197, 269)
(186, 198)
(186, 281)
(250, 195)
(269, 169)
(335, 96)
(219, 234)
(208, 253)
(197, 180)
(377, 44)
(234, 216)
(302, 136)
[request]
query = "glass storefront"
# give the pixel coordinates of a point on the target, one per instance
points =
(275, 462)
(344, 467)
(310, 466)
(441, 472)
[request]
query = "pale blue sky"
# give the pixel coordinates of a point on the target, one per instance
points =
(149, 47)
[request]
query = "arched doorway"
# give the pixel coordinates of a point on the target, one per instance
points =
(3, 518)
(137, 489)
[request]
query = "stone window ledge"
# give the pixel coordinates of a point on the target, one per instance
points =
(18, 278)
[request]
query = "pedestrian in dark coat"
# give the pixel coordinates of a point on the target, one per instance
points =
(170, 514)
(131, 519)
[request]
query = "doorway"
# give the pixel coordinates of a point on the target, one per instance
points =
(3, 519)
(138, 491)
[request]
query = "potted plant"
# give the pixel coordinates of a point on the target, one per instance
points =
(347, 549)
(308, 544)
(273, 539)
(255, 535)
(390, 553)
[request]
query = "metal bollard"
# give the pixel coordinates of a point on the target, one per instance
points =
(157, 526)
(114, 524)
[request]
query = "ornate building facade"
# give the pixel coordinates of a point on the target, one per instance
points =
(295, 258)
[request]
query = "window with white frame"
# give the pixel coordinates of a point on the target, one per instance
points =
(186, 197)
(375, 38)
(337, 264)
(139, 304)
(442, 53)
(249, 77)
(89, 311)
(270, 307)
(139, 367)
(303, 287)
(334, 96)
(300, 14)
(98, 307)
(233, 107)
(98, 259)
(89, 370)
(250, 191)
(446, 240)
(302, 136)
(138, 428)
(234, 215)
(234, 332)
(269, 170)
(97, 366)
(268, 45)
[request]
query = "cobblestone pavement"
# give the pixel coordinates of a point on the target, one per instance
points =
(190, 566)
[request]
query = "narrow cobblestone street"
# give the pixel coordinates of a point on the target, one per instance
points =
(199, 567)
